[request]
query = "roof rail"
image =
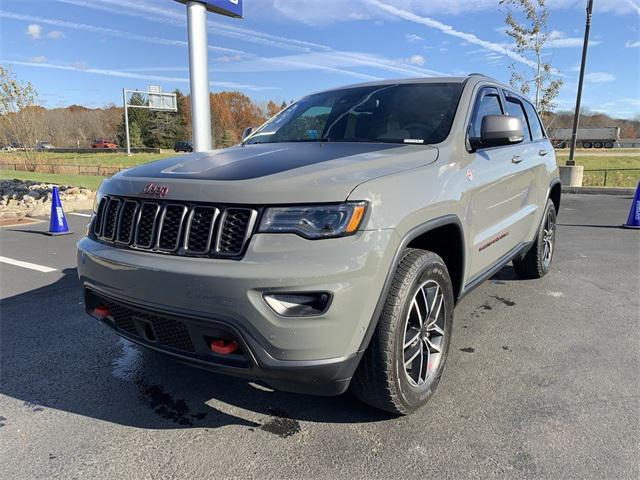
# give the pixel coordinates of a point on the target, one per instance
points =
(476, 74)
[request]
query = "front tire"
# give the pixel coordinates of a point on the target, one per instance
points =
(404, 361)
(537, 261)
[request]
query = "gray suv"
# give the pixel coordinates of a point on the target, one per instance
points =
(329, 248)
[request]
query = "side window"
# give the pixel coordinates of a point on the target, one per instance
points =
(537, 133)
(515, 109)
(487, 103)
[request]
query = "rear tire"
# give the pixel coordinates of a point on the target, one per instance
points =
(403, 364)
(537, 261)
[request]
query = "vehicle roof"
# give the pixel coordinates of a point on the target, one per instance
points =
(404, 81)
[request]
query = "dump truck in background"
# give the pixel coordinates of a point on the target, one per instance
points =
(605, 137)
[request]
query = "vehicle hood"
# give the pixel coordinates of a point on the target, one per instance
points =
(272, 173)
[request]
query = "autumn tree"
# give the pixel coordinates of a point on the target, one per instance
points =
(527, 25)
(20, 114)
(231, 113)
(273, 108)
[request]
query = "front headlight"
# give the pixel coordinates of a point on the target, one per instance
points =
(314, 221)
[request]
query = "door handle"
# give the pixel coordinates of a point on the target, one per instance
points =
(542, 153)
(516, 159)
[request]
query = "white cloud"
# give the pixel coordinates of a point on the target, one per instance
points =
(83, 68)
(412, 37)
(599, 77)
(557, 39)
(416, 60)
(38, 59)
(34, 31)
(315, 12)
(631, 44)
(55, 34)
(155, 13)
(634, 6)
(105, 31)
(358, 16)
(449, 30)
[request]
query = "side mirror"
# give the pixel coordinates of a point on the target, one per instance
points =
(246, 132)
(498, 130)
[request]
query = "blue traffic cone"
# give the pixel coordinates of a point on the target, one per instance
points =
(58, 223)
(634, 214)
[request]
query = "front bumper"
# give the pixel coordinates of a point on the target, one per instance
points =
(302, 354)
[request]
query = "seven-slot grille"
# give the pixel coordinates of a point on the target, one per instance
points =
(175, 228)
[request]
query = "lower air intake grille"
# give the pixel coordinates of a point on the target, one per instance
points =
(174, 228)
(154, 328)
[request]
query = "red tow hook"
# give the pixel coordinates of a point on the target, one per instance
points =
(223, 347)
(102, 312)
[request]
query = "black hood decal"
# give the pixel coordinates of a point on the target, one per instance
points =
(253, 161)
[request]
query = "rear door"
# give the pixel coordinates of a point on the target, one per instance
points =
(528, 167)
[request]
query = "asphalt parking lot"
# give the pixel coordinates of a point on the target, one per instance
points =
(542, 382)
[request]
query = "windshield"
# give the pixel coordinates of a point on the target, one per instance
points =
(419, 113)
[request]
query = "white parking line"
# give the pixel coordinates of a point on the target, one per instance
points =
(80, 214)
(31, 266)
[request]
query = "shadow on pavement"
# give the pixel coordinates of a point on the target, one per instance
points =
(55, 356)
(589, 226)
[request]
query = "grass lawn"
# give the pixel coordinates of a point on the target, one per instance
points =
(88, 158)
(86, 181)
(609, 160)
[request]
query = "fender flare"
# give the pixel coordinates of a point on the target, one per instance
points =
(412, 234)
(553, 183)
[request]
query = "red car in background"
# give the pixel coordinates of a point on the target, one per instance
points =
(104, 144)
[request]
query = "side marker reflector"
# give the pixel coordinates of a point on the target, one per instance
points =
(356, 218)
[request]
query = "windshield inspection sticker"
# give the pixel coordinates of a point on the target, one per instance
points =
(413, 140)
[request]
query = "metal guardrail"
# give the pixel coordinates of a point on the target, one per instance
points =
(607, 170)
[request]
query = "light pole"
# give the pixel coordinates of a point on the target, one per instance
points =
(198, 63)
(576, 117)
(199, 75)
(126, 120)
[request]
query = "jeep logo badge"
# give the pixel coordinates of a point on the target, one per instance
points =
(156, 190)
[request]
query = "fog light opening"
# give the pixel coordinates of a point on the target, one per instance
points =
(304, 304)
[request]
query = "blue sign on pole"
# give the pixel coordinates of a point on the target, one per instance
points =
(230, 8)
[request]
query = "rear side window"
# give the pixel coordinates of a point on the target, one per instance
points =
(515, 109)
(537, 133)
(488, 103)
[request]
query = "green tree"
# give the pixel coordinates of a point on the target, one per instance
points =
(530, 32)
(135, 136)
(227, 139)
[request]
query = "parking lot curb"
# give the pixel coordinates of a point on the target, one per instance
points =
(599, 190)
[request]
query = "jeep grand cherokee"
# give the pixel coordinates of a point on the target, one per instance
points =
(329, 248)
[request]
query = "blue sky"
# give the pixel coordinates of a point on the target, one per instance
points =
(85, 51)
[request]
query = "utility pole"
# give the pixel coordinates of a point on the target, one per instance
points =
(576, 117)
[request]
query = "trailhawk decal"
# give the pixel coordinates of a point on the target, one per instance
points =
(492, 241)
